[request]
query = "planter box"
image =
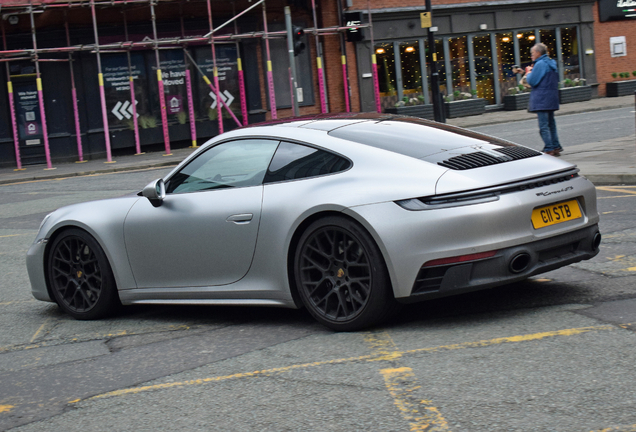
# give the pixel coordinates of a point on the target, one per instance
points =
(516, 102)
(421, 111)
(575, 94)
(465, 108)
(621, 88)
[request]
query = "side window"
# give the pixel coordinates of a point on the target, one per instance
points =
(295, 161)
(231, 164)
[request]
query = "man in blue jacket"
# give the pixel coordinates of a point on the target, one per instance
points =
(544, 98)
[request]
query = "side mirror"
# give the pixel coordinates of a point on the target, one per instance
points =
(155, 192)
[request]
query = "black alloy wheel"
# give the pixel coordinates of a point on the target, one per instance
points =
(80, 276)
(341, 276)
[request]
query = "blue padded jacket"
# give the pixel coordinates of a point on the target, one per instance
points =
(544, 80)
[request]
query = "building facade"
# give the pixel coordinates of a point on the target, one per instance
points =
(97, 78)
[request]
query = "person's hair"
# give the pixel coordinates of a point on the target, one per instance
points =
(540, 48)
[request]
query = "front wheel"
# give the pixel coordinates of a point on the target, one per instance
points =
(80, 276)
(341, 276)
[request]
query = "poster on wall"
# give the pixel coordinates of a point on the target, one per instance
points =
(117, 89)
(28, 113)
(613, 10)
(173, 75)
(228, 81)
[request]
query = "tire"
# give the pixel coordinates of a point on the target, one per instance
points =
(341, 276)
(80, 276)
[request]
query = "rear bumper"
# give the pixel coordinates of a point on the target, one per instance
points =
(506, 266)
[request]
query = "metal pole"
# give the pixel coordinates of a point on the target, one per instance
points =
(321, 76)
(133, 99)
(293, 84)
(219, 111)
(193, 126)
(241, 77)
(343, 59)
(45, 133)
(162, 96)
(14, 123)
(438, 103)
(270, 77)
(78, 130)
(374, 65)
(100, 78)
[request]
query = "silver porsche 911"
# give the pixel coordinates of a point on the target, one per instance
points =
(345, 215)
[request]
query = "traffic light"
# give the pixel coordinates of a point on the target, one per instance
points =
(299, 45)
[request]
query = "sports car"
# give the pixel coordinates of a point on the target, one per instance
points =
(345, 215)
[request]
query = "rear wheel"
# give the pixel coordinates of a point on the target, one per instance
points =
(80, 276)
(341, 276)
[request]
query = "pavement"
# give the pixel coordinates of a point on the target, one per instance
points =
(609, 162)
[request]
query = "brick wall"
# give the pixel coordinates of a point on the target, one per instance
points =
(605, 63)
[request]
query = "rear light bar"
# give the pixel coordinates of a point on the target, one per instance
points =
(460, 259)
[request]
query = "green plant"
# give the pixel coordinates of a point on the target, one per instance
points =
(634, 73)
(422, 99)
(147, 122)
(568, 82)
(614, 75)
(624, 74)
(182, 117)
(457, 95)
(405, 99)
(473, 92)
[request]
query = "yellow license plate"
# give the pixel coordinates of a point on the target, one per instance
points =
(556, 213)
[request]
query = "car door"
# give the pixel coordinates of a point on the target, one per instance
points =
(204, 232)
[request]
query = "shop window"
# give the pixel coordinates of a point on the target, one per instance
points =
(506, 57)
(411, 72)
(482, 62)
(548, 38)
(227, 67)
(116, 71)
(385, 58)
(570, 53)
(526, 39)
(175, 93)
(305, 61)
(458, 49)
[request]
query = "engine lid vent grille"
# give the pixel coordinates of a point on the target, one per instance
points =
(482, 159)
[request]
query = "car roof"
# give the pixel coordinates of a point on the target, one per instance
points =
(409, 136)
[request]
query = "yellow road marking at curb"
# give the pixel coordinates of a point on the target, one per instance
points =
(367, 358)
(402, 385)
(631, 428)
(6, 408)
(42, 327)
(16, 235)
(617, 189)
(16, 301)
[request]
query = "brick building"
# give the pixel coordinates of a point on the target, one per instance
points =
(101, 77)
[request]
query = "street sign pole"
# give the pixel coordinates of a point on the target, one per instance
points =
(292, 61)
(438, 103)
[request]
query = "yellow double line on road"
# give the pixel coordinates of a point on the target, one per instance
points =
(365, 358)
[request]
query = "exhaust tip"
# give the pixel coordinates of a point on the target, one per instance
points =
(596, 241)
(519, 262)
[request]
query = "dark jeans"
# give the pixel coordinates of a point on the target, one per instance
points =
(548, 131)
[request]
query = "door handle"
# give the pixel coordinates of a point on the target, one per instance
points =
(243, 218)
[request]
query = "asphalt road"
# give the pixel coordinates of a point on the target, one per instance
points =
(556, 353)
(573, 129)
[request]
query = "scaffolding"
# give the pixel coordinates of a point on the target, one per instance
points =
(62, 11)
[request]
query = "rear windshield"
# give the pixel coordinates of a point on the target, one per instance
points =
(413, 137)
